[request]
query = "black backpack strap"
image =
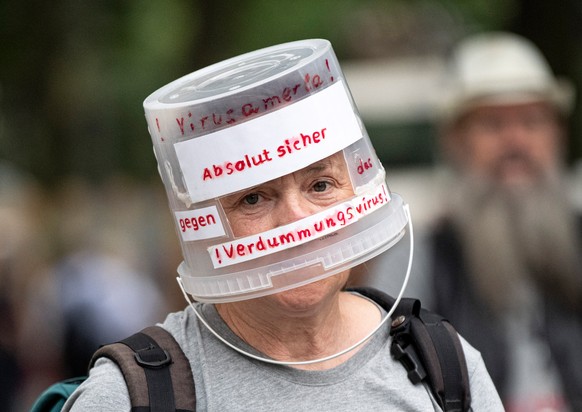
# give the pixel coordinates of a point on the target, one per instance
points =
(429, 348)
(155, 369)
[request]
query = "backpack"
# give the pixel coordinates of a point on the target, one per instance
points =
(424, 342)
(430, 349)
(156, 371)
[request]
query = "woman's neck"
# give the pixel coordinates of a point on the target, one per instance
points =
(303, 332)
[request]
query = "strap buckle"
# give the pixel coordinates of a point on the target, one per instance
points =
(408, 357)
(154, 357)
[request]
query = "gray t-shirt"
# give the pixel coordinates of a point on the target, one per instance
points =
(371, 380)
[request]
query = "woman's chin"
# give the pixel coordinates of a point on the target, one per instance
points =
(312, 295)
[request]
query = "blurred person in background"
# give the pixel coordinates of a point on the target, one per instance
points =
(23, 252)
(507, 252)
(97, 286)
(16, 196)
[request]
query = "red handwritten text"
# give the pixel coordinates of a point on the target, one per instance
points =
(195, 223)
(248, 161)
(273, 241)
(363, 166)
(192, 123)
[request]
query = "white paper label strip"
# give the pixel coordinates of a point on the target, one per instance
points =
(297, 233)
(199, 224)
(269, 146)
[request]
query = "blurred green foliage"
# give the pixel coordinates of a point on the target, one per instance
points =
(73, 75)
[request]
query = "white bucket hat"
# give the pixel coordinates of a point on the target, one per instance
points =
(501, 68)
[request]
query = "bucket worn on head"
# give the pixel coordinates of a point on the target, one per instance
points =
(251, 119)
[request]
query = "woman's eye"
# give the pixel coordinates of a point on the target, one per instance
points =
(251, 199)
(320, 186)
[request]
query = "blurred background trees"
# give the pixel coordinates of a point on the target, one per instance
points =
(73, 74)
(77, 173)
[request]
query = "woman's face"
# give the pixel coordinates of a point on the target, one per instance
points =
(288, 198)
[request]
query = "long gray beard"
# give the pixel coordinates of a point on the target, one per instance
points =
(514, 236)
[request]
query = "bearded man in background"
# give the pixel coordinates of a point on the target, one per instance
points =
(507, 253)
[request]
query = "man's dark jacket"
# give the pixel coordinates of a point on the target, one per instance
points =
(456, 299)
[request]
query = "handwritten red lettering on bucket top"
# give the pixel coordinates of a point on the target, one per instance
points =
(191, 123)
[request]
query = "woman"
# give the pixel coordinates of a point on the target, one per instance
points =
(273, 210)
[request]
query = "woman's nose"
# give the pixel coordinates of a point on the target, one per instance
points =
(293, 206)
